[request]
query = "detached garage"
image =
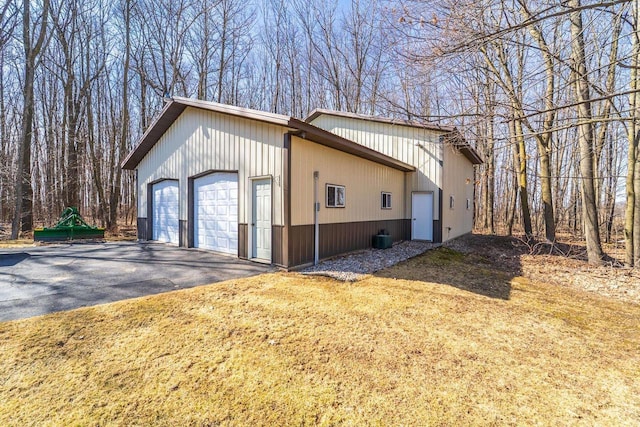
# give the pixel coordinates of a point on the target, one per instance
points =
(272, 188)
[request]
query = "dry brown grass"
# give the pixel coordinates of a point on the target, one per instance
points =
(19, 243)
(452, 340)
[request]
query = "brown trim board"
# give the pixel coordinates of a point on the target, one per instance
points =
(278, 247)
(243, 240)
(286, 200)
(149, 232)
(437, 224)
(182, 233)
(142, 228)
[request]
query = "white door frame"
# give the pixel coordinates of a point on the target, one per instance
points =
(250, 251)
(414, 216)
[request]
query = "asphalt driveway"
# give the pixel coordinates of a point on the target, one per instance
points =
(45, 279)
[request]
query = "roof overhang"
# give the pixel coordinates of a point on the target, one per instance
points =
(177, 105)
(451, 133)
(169, 114)
(458, 141)
(331, 140)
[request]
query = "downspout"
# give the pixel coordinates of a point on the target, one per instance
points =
(316, 210)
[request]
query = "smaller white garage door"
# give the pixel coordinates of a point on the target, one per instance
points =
(165, 212)
(215, 211)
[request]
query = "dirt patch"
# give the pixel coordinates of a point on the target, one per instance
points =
(609, 281)
(121, 233)
(5, 238)
(5, 231)
(562, 264)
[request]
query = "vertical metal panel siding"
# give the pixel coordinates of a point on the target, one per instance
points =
(301, 245)
(416, 146)
(364, 180)
(142, 228)
(345, 237)
(243, 251)
(200, 140)
(277, 233)
(342, 237)
(458, 182)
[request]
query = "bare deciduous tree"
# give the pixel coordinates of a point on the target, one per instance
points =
(32, 45)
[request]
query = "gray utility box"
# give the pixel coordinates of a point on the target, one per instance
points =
(382, 241)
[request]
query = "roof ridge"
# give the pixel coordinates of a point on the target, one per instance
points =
(381, 119)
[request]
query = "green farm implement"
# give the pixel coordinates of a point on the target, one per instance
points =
(71, 226)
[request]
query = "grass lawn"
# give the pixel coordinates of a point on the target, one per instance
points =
(443, 339)
(19, 243)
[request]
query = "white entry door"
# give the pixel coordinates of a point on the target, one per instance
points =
(215, 212)
(165, 212)
(422, 216)
(261, 219)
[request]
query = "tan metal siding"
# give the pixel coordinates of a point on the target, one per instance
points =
(416, 146)
(200, 140)
(458, 182)
(364, 181)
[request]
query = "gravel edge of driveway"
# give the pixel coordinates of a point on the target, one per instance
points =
(355, 266)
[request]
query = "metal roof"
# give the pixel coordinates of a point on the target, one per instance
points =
(456, 137)
(400, 122)
(177, 105)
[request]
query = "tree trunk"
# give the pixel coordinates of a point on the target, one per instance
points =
(610, 196)
(608, 205)
(96, 166)
(23, 213)
(585, 137)
(547, 194)
(516, 178)
(636, 205)
(522, 178)
(114, 199)
(222, 62)
(489, 187)
(544, 138)
(4, 147)
(632, 212)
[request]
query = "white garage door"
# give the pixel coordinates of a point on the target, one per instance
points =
(215, 208)
(165, 212)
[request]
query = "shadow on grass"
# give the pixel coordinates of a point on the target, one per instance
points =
(484, 265)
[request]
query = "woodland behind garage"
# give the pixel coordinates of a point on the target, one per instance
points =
(272, 188)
